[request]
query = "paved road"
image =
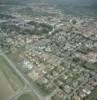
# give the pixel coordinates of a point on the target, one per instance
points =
(22, 76)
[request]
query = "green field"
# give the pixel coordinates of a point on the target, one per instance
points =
(27, 97)
(5, 88)
(10, 82)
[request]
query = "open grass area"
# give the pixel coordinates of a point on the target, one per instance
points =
(10, 82)
(5, 88)
(27, 96)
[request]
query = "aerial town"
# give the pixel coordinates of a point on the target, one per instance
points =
(53, 54)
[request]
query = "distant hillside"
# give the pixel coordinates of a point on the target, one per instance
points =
(58, 2)
(77, 7)
(73, 2)
(24, 2)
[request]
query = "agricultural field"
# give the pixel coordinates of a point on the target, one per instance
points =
(10, 82)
